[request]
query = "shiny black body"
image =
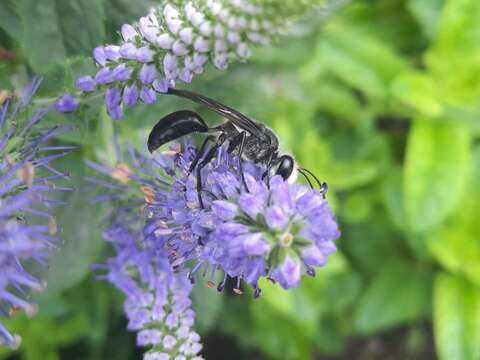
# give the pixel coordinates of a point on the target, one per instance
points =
(173, 126)
(249, 139)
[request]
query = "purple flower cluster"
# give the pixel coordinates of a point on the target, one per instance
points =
(27, 180)
(174, 42)
(279, 231)
(163, 238)
(157, 299)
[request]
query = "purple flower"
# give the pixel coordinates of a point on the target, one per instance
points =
(144, 55)
(288, 272)
(86, 83)
(66, 103)
(278, 232)
(160, 85)
(112, 100)
(99, 55)
(115, 112)
(104, 76)
(128, 51)
(174, 42)
(112, 52)
(157, 301)
(130, 95)
(122, 73)
(27, 181)
(224, 210)
(148, 73)
(112, 97)
(128, 32)
(148, 95)
(249, 235)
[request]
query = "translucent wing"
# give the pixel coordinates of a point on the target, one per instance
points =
(236, 117)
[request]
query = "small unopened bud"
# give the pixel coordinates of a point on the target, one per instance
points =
(14, 310)
(122, 173)
(149, 194)
(174, 150)
(27, 174)
(52, 226)
(31, 310)
(9, 160)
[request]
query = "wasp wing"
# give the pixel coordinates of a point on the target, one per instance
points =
(236, 117)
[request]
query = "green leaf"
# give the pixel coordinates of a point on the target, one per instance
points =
(43, 39)
(9, 20)
(119, 12)
(42, 337)
(458, 250)
(277, 298)
(393, 197)
(458, 31)
(60, 29)
(316, 154)
(86, 15)
(81, 230)
(427, 14)
(357, 207)
(420, 92)
(368, 49)
(457, 47)
(358, 241)
(456, 315)
(435, 173)
(283, 335)
(358, 58)
(455, 245)
(352, 71)
(208, 305)
(399, 294)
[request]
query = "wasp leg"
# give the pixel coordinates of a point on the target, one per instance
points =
(200, 153)
(239, 140)
(211, 153)
(267, 172)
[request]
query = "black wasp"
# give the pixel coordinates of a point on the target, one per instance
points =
(251, 140)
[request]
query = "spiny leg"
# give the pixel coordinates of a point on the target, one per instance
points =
(239, 140)
(211, 153)
(200, 153)
(267, 172)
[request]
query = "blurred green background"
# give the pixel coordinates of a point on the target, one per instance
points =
(380, 98)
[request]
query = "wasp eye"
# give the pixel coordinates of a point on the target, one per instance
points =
(285, 167)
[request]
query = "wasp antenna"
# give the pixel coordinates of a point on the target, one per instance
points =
(320, 185)
(306, 177)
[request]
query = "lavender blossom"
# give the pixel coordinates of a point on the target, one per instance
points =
(157, 299)
(278, 232)
(177, 40)
(66, 104)
(27, 229)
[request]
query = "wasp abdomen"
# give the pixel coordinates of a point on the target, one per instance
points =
(174, 126)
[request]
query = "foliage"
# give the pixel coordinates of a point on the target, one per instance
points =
(378, 98)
